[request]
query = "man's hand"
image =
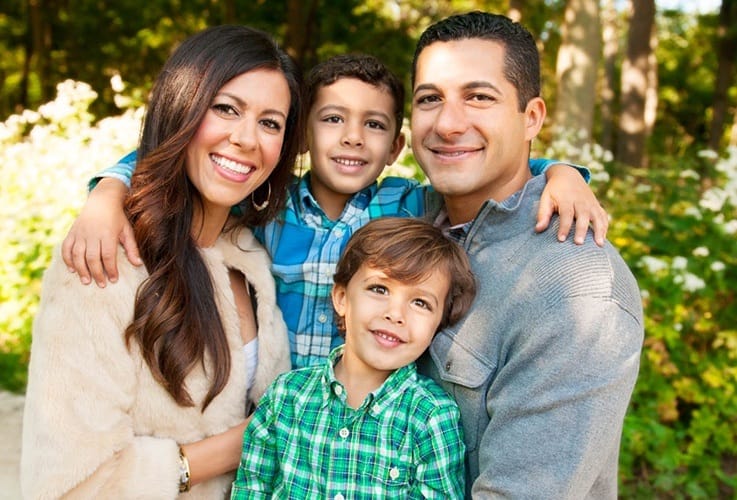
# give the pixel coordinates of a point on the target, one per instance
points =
(568, 194)
(90, 247)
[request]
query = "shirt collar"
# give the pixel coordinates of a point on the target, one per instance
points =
(309, 204)
(377, 400)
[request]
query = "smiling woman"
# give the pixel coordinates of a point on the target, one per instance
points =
(150, 377)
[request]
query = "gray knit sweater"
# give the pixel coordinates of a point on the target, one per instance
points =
(544, 364)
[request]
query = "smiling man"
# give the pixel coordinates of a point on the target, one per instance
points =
(543, 365)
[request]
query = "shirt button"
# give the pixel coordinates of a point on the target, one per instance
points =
(339, 232)
(394, 473)
(375, 409)
(338, 390)
(322, 318)
(344, 433)
(448, 365)
(339, 496)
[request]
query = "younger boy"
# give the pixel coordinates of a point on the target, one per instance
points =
(365, 424)
(355, 114)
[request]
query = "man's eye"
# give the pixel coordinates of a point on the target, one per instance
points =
(428, 99)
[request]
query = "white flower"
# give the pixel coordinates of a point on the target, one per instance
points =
(730, 227)
(713, 199)
(718, 266)
(701, 252)
(692, 283)
(116, 83)
(653, 264)
(709, 154)
(689, 174)
(679, 262)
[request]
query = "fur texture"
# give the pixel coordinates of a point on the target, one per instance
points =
(96, 423)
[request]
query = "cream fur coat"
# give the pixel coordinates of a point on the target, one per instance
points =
(96, 423)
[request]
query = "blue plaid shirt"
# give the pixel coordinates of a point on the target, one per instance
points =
(305, 246)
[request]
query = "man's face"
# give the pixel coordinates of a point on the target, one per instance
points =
(468, 134)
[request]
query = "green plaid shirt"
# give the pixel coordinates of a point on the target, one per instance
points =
(405, 441)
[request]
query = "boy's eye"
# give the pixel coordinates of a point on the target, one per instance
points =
(376, 125)
(380, 289)
(332, 119)
(225, 109)
(423, 304)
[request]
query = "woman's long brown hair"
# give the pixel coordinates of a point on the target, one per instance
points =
(175, 320)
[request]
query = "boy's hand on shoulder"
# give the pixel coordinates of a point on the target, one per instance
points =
(568, 194)
(90, 247)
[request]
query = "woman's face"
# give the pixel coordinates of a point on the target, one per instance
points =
(239, 140)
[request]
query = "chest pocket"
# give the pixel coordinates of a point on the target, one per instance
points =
(390, 475)
(466, 376)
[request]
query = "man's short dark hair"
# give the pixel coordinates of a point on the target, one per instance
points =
(521, 57)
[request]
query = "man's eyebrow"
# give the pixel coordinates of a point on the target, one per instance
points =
(425, 86)
(476, 84)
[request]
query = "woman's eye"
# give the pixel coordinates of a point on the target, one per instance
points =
(332, 119)
(272, 124)
(225, 109)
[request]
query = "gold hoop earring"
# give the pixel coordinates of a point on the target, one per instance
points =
(261, 206)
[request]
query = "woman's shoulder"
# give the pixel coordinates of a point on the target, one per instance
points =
(58, 278)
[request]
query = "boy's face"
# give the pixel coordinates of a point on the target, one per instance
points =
(389, 324)
(351, 131)
(468, 133)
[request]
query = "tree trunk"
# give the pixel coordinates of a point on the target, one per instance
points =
(300, 29)
(635, 73)
(610, 35)
(578, 60)
(726, 50)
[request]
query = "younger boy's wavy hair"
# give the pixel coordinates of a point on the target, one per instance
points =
(409, 250)
(363, 67)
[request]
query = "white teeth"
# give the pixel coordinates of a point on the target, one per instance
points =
(390, 338)
(350, 163)
(231, 165)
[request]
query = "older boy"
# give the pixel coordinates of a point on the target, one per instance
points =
(364, 424)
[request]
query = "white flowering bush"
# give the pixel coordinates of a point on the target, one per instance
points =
(46, 158)
(677, 232)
